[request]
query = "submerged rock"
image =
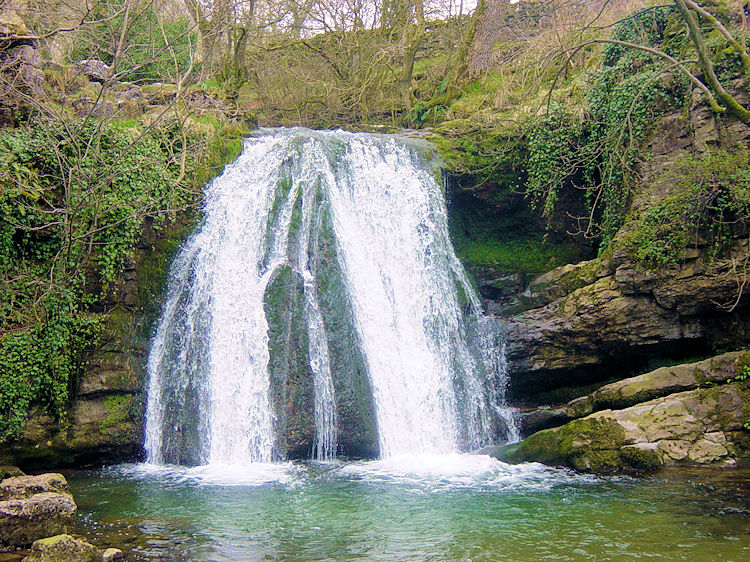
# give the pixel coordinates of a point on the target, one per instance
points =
(63, 548)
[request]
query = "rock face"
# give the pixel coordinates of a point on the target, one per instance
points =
(105, 422)
(609, 316)
(699, 426)
(34, 507)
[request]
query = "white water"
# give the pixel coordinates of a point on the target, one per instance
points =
(435, 366)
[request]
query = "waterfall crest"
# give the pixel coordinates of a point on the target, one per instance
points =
(307, 233)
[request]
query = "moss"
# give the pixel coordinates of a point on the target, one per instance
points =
(511, 241)
(640, 459)
(590, 444)
(491, 154)
(118, 408)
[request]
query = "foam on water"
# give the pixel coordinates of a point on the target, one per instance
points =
(252, 474)
(443, 472)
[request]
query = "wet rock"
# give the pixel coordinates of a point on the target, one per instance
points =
(63, 548)
(660, 382)
(541, 418)
(22, 521)
(20, 487)
(701, 426)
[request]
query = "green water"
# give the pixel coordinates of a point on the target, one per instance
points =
(415, 512)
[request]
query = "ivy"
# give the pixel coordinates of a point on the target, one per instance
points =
(709, 205)
(74, 197)
(597, 152)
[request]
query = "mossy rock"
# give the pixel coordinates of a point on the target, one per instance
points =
(9, 471)
(590, 444)
(62, 548)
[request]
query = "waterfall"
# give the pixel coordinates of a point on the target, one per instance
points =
(306, 235)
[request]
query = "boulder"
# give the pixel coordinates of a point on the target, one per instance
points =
(63, 548)
(21, 487)
(541, 418)
(95, 70)
(701, 426)
(22, 521)
(111, 554)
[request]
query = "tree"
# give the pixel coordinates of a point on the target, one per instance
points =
(692, 15)
(489, 19)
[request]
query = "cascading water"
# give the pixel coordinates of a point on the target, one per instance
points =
(331, 212)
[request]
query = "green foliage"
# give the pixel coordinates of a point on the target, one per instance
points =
(555, 143)
(510, 242)
(710, 201)
(73, 200)
(41, 365)
(649, 27)
(743, 376)
(155, 51)
(597, 152)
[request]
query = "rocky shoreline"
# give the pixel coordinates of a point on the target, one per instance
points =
(37, 516)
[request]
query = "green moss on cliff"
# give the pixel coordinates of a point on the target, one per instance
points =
(508, 239)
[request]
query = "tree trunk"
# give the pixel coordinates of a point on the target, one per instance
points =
(490, 19)
(414, 40)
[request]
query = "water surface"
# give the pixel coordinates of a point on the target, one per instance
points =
(459, 507)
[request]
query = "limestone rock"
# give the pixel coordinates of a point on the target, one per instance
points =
(660, 382)
(618, 321)
(8, 471)
(700, 426)
(20, 487)
(541, 418)
(95, 70)
(63, 548)
(22, 521)
(111, 554)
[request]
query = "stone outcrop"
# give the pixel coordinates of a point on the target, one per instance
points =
(34, 507)
(8, 471)
(660, 382)
(94, 70)
(609, 316)
(22, 487)
(39, 511)
(687, 414)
